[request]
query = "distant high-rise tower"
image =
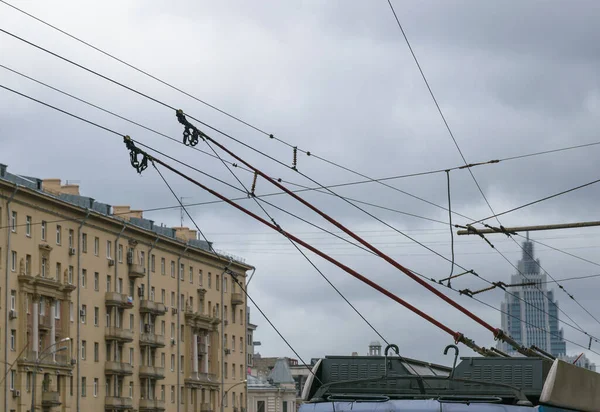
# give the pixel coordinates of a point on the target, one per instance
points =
(375, 348)
(531, 315)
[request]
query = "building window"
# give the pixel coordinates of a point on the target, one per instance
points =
(173, 394)
(181, 397)
(131, 321)
(181, 302)
(173, 299)
(83, 278)
(181, 363)
(83, 313)
(43, 230)
(28, 226)
(260, 406)
(13, 375)
(95, 387)
(44, 265)
(241, 374)
(71, 311)
(285, 408)
(241, 344)
(226, 399)
(172, 330)
(13, 338)
(217, 279)
(200, 277)
(58, 270)
(172, 363)
(58, 234)
(108, 281)
(13, 261)
(162, 392)
(120, 253)
(162, 327)
(162, 266)
(181, 267)
(172, 269)
(70, 275)
(96, 281)
(28, 381)
(131, 389)
(181, 333)
(209, 280)
(13, 222)
(191, 274)
(57, 309)
(28, 264)
(131, 356)
(71, 235)
(84, 242)
(83, 349)
(96, 352)
(233, 371)
(162, 360)
(162, 295)
(83, 387)
(108, 248)
(153, 263)
(225, 369)
(96, 246)
(96, 316)
(224, 284)
(13, 299)
(233, 342)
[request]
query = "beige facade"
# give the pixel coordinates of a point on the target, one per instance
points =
(145, 308)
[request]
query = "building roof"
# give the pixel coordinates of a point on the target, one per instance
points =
(281, 373)
(71, 196)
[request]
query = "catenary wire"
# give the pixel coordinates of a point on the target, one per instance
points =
(494, 214)
(112, 131)
(356, 206)
(537, 201)
(451, 228)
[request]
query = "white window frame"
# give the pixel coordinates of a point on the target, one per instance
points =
(44, 266)
(13, 261)
(96, 246)
(58, 234)
(43, 230)
(108, 248)
(13, 222)
(57, 309)
(13, 339)
(95, 387)
(84, 278)
(13, 299)
(28, 226)
(83, 349)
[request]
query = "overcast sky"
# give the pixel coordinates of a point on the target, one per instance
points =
(335, 78)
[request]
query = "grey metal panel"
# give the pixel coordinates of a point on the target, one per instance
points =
(165, 231)
(143, 223)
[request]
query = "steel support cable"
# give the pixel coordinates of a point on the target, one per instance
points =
(494, 214)
(497, 332)
(456, 335)
(205, 136)
(119, 134)
(536, 201)
(275, 223)
(465, 160)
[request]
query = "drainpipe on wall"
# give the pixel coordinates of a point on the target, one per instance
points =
(87, 215)
(8, 232)
(223, 333)
(152, 246)
(246, 333)
(178, 337)
(116, 255)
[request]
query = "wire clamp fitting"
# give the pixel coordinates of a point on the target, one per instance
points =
(295, 159)
(191, 134)
(138, 165)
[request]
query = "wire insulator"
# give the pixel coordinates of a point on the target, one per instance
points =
(295, 160)
(253, 184)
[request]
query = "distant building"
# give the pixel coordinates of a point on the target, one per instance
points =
(274, 393)
(582, 362)
(262, 367)
(375, 348)
(250, 328)
(530, 313)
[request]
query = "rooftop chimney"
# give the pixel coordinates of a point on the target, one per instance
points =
(185, 234)
(51, 186)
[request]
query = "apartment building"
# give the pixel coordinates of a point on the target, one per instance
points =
(116, 312)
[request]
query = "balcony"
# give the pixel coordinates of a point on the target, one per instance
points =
(156, 308)
(205, 407)
(118, 299)
(45, 322)
(113, 402)
(152, 372)
(237, 299)
(122, 335)
(150, 339)
(151, 405)
(60, 361)
(136, 271)
(201, 379)
(200, 320)
(50, 399)
(118, 368)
